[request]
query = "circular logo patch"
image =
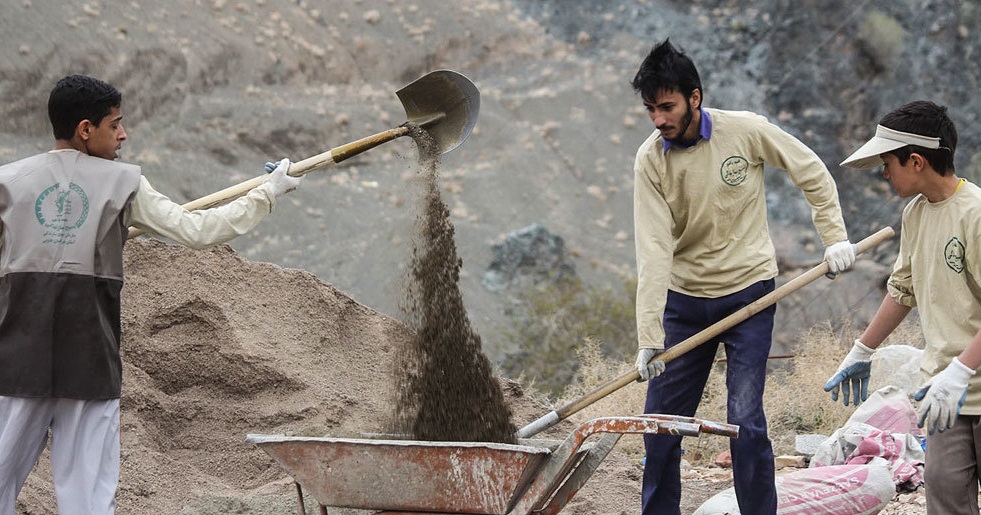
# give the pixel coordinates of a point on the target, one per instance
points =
(62, 210)
(954, 255)
(734, 170)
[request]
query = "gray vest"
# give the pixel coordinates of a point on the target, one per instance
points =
(61, 273)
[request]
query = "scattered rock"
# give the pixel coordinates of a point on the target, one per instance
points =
(785, 461)
(723, 459)
(807, 444)
(532, 253)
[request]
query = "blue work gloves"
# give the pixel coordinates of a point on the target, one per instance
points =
(854, 372)
(647, 368)
(280, 182)
(840, 256)
(942, 397)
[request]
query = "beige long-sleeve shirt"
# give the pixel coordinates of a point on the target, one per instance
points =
(153, 212)
(938, 272)
(700, 212)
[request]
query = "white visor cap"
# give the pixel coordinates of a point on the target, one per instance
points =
(886, 139)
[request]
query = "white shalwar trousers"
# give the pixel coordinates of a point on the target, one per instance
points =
(84, 451)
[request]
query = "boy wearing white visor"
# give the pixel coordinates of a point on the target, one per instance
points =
(937, 271)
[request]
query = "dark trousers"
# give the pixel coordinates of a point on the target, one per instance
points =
(679, 389)
(953, 468)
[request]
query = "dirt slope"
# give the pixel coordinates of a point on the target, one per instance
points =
(214, 88)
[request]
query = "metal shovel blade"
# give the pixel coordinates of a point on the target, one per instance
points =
(443, 102)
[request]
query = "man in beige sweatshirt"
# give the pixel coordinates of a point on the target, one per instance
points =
(704, 251)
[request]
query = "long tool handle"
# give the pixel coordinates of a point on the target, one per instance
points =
(706, 334)
(317, 162)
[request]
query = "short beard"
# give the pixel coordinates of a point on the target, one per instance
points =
(686, 121)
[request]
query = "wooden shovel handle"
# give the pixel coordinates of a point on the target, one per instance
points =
(720, 326)
(317, 162)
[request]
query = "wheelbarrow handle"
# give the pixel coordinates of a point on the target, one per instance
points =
(655, 423)
(701, 337)
(571, 463)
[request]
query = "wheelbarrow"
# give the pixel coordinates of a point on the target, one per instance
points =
(391, 476)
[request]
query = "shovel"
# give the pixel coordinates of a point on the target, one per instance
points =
(444, 103)
(554, 417)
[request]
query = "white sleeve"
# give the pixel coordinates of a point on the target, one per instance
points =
(154, 213)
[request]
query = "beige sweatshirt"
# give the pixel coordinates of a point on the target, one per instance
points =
(937, 272)
(700, 212)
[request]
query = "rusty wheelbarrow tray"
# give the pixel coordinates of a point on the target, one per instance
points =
(392, 476)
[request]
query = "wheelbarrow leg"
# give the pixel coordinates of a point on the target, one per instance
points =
(594, 457)
(299, 497)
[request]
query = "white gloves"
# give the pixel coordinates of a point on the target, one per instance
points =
(840, 256)
(645, 367)
(854, 372)
(943, 397)
(279, 181)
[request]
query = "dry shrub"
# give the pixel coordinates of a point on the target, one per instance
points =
(909, 332)
(795, 401)
(595, 369)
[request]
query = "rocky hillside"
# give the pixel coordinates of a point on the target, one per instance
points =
(214, 88)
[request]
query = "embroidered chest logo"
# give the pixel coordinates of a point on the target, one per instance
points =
(954, 255)
(61, 212)
(734, 170)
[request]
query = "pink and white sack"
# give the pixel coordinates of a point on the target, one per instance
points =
(833, 490)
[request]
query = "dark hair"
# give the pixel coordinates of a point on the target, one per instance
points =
(76, 98)
(926, 119)
(666, 69)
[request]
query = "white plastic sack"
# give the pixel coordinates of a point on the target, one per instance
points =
(897, 365)
(722, 503)
(834, 490)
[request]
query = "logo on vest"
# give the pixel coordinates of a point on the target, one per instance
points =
(734, 170)
(61, 212)
(954, 255)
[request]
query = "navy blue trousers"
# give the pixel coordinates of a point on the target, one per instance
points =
(679, 389)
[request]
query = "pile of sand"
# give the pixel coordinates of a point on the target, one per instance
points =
(217, 347)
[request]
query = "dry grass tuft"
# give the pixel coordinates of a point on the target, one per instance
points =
(795, 401)
(594, 370)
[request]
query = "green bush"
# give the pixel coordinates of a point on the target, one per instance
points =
(881, 38)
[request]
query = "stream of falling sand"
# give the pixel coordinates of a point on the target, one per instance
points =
(445, 388)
